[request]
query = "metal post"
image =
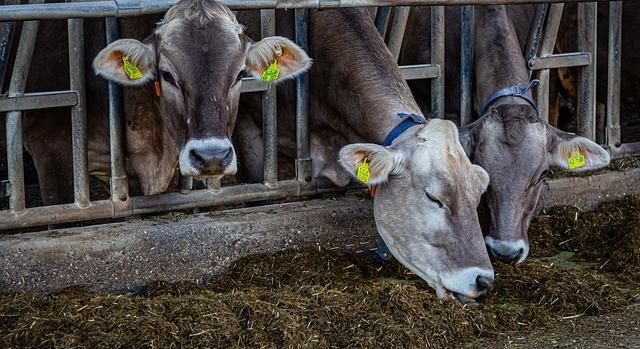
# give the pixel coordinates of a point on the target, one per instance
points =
(613, 78)
(535, 34)
(396, 34)
(14, 118)
(78, 113)
(382, 20)
(269, 111)
(586, 106)
(467, 36)
(303, 100)
(119, 187)
(548, 43)
(437, 57)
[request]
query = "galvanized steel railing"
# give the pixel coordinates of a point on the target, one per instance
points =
(121, 204)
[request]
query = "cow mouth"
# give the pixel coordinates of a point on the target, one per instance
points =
(466, 300)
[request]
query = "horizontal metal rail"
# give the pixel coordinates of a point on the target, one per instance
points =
(39, 100)
(564, 60)
(128, 8)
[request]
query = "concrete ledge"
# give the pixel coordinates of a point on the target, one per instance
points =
(177, 246)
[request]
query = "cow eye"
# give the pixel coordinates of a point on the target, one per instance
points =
(434, 199)
(166, 76)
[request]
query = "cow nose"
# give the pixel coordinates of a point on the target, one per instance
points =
(483, 284)
(509, 257)
(210, 160)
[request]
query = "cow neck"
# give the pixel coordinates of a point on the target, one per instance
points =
(502, 66)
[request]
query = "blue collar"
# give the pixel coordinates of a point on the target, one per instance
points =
(409, 121)
(513, 91)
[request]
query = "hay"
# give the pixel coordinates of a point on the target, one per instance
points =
(316, 298)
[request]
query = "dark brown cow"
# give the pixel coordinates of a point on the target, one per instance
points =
(509, 140)
(428, 191)
(198, 54)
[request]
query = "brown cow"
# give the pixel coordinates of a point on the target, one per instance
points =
(428, 191)
(509, 140)
(197, 53)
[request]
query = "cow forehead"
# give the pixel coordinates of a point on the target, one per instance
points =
(217, 37)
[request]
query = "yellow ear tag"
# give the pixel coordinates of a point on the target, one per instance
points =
(363, 171)
(576, 160)
(133, 73)
(271, 73)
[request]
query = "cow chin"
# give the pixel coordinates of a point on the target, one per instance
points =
(208, 158)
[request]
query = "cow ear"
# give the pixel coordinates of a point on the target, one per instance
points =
(276, 54)
(381, 161)
(127, 62)
(575, 153)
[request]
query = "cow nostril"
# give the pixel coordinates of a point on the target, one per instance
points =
(483, 283)
(194, 155)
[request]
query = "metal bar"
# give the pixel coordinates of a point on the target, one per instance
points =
(185, 184)
(535, 33)
(420, 71)
(303, 102)
(563, 60)
(382, 20)
(586, 106)
(128, 8)
(613, 74)
(39, 100)
(396, 34)
(78, 113)
(119, 185)
(467, 35)
(14, 119)
(64, 213)
(437, 58)
(548, 43)
(269, 111)
(253, 85)
(625, 149)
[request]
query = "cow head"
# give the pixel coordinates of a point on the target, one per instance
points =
(198, 55)
(425, 206)
(517, 149)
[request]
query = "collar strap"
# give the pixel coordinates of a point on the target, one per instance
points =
(513, 91)
(409, 121)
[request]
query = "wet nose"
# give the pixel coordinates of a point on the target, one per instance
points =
(483, 284)
(211, 160)
(506, 256)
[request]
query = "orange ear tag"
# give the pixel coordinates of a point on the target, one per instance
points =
(156, 84)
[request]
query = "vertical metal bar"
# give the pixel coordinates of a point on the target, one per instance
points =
(185, 183)
(587, 29)
(535, 33)
(437, 57)
(466, 64)
(14, 119)
(613, 72)
(548, 43)
(119, 187)
(396, 34)
(78, 113)
(269, 111)
(303, 137)
(382, 20)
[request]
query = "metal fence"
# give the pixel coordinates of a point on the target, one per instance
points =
(122, 204)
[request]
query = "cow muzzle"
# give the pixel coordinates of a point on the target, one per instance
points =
(466, 285)
(514, 252)
(211, 157)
